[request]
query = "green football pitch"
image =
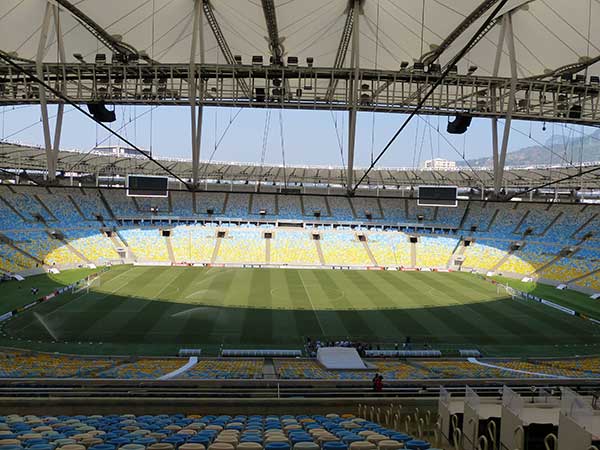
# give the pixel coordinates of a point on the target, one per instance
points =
(157, 310)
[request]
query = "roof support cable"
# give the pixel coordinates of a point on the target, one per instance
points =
(430, 92)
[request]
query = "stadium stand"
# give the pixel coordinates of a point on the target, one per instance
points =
(45, 365)
(143, 369)
(196, 432)
(226, 369)
(390, 249)
(343, 248)
(74, 213)
(147, 244)
(242, 246)
(293, 247)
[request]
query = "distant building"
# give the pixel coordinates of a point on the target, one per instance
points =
(117, 150)
(439, 164)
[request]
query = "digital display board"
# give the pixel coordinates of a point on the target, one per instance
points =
(437, 196)
(147, 186)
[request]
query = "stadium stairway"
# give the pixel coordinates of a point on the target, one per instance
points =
(539, 271)
(302, 205)
(583, 277)
(13, 209)
(170, 249)
(352, 209)
(268, 251)
(107, 206)
(502, 260)
(76, 206)
(225, 202)
(521, 221)
(413, 254)
(319, 251)
(11, 244)
(369, 253)
(327, 206)
(459, 250)
(45, 208)
(215, 253)
(73, 250)
(552, 222)
(584, 225)
(464, 216)
(492, 220)
(250, 204)
(380, 208)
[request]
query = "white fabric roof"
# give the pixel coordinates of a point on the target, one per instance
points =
(548, 33)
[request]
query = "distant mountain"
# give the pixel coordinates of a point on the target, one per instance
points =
(556, 150)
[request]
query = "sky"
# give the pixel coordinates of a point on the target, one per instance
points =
(309, 137)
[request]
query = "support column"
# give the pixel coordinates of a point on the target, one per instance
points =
(195, 90)
(52, 148)
(494, 99)
(354, 87)
(499, 157)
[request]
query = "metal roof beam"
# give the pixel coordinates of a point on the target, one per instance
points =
(435, 53)
(342, 50)
(221, 41)
(126, 51)
(275, 41)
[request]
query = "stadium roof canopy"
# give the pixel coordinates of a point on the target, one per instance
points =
(20, 157)
(548, 34)
(525, 59)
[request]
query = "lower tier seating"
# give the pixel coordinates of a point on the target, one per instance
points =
(195, 432)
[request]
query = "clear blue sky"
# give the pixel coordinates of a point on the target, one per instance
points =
(309, 136)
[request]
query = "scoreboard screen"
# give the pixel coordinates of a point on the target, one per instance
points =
(444, 196)
(147, 186)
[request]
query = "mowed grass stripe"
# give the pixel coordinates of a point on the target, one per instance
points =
(139, 327)
(258, 323)
(470, 311)
(306, 319)
(68, 316)
(141, 306)
(321, 294)
(382, 324)
(285, 326)
(353, 322)
(414, 292)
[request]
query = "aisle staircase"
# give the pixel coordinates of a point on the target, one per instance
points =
(369, 253)
(215, 253)
(413, 254)
(268, 251)
(170, 249)
(319, 251)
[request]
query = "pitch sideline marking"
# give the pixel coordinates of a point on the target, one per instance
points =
(312, 304)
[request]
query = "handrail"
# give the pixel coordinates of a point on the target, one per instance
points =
(492, 430)
(547, 441)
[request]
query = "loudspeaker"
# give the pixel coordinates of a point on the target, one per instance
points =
(459, 125)
(100, 113)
